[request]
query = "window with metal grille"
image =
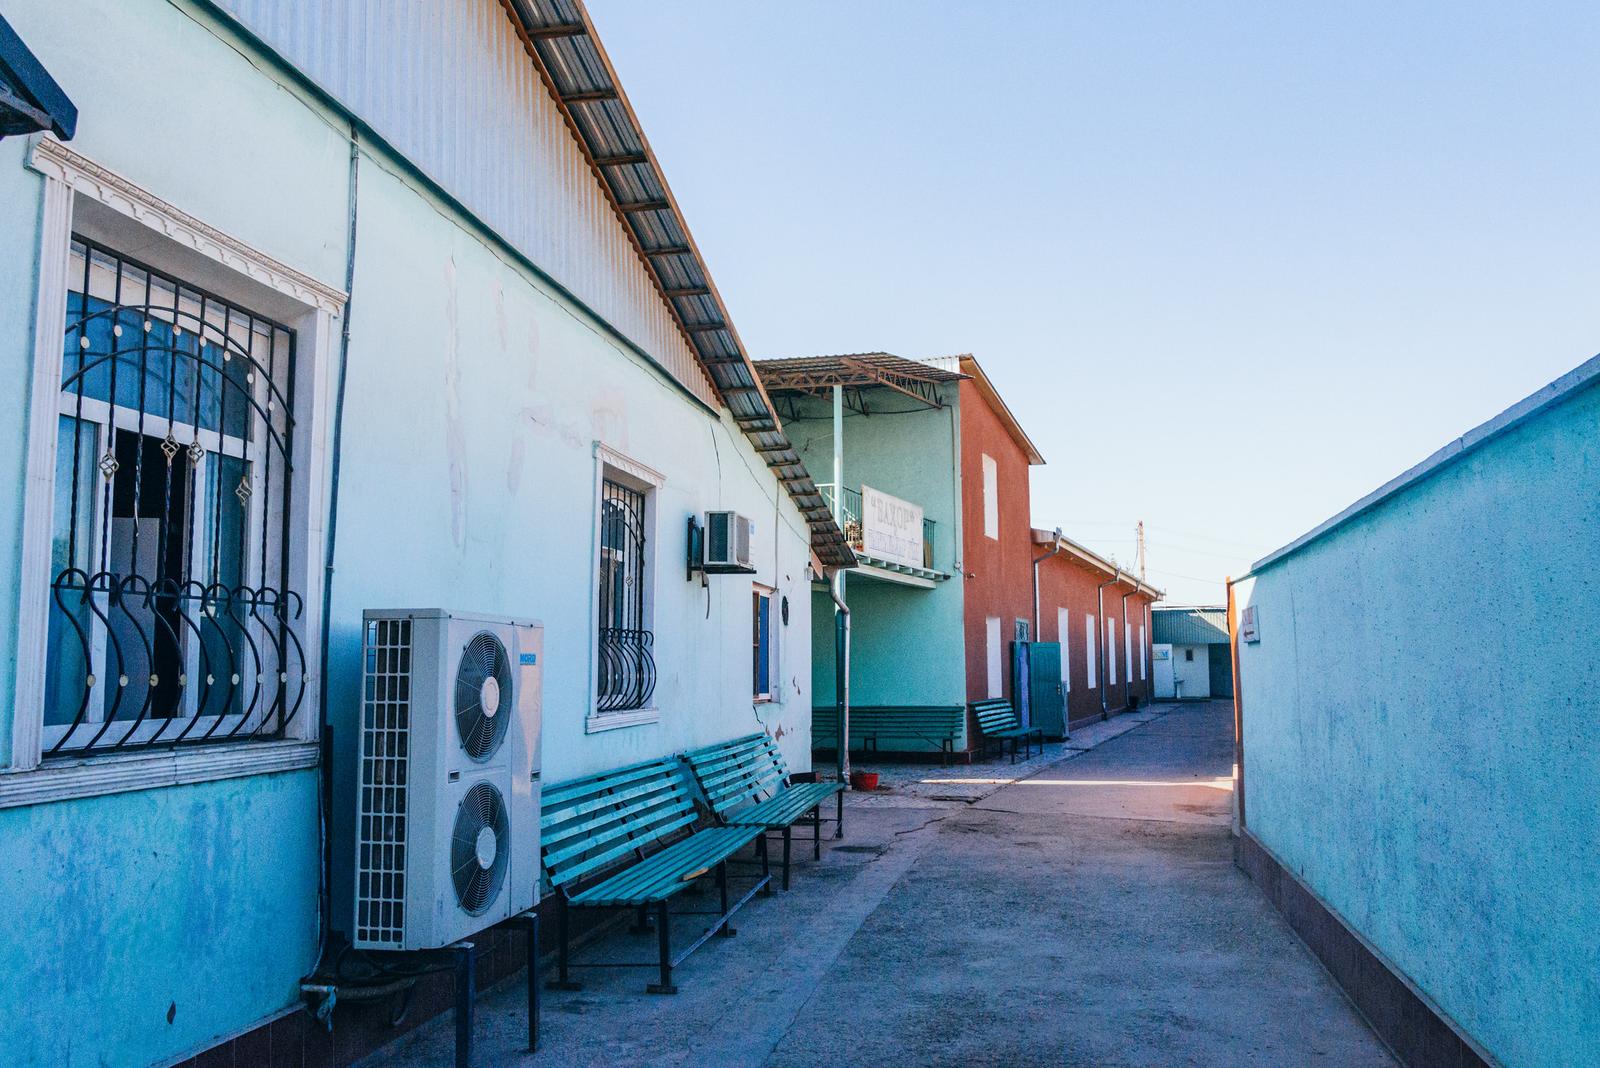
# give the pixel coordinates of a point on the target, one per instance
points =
(625, 661)
(171, 617)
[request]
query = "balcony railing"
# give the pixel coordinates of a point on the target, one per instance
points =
(848, 514)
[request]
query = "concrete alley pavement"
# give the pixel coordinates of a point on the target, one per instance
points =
(1089, 914)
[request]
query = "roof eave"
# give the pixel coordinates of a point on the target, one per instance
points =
(712, 337)
(973, 369)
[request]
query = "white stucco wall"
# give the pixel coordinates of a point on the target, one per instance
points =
(1192, 677)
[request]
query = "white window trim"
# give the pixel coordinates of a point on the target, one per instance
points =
(605, 456)
(1091, 668)
(1063, 631)
(1127, 648)
(1111, 652)
(71, 179)
(994, 658)
(1141, 652)
(991, 497)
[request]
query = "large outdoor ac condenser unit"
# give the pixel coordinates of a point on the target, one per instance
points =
(447, 813)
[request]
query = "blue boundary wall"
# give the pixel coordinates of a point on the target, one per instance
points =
(1421, 724)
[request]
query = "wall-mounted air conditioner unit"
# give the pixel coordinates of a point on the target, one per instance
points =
(447, 807)
(728, 536)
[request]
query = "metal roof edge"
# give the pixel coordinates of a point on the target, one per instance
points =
(756, 418)
(1089, 556)
(1586, 374)
(22, 68)
(970, 366)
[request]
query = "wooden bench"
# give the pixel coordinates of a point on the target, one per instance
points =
(625, 839)
(747, 784)
(937, 725)
(998, 722)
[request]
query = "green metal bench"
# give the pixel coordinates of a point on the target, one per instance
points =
(937, 725)
(746, 782)
(625, 839)
(998, 722)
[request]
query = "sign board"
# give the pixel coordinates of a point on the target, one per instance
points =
(1163, 652)
(891, 529)
(1247, 625)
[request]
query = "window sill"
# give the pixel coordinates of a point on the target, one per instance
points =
(610, 721)
(116, 773)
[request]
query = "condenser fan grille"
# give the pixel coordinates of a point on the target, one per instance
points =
(478, 848)
(483, 695)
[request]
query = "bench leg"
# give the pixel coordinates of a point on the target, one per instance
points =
(766, 865)
(816, 833)
(563, 980)
(641, 922)
(466, 995)
(725, 929)
(838, 831)
(664, 942)
(788, 834)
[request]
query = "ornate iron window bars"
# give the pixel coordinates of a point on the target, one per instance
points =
(625, 662)
(171, 617)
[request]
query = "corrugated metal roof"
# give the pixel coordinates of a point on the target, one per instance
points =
(848, 369)
(475, 96)
(1189, 626)
(561, 39)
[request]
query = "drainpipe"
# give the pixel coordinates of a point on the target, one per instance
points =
(1100, 624)
(841, 610)
(1127, 647)
(1055, 547)
(841, 671)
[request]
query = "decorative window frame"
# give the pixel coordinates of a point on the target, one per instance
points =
(79, 191)
(609, 460)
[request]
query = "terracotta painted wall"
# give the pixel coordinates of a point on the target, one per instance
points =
(1065, 582)
(999, 578)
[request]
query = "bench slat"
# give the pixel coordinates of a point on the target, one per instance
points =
(662, 875)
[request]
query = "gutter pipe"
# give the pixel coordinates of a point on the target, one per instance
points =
(1127, 646)
(841, 673)
(1055, 547)
(1100, 600)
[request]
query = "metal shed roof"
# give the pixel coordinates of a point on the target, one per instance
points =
(560, 38)
(856, 371)
(30, 99)
(1189, 626)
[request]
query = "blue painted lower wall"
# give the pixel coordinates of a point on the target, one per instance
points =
(1422, 732)
(143, 925)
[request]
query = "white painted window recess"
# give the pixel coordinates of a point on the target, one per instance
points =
(1111, 652)
(991, 627)
(991, 498)
(1091, 669)
(1063, 626)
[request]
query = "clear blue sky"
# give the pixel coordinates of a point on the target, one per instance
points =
(1233, 266)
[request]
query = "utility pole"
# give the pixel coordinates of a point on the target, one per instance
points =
(1141, 550)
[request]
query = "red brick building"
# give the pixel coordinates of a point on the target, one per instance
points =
(1077, 588)
(1100, 615)
(995, 455)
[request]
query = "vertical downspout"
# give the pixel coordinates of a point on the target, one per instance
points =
(1127, 648)
(1055, 547)
(841, 610)
(1100, 625)
(841, 670)
(324, 732)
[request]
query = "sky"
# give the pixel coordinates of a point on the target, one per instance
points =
(1232, 266)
